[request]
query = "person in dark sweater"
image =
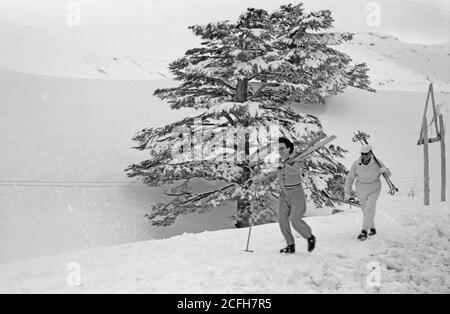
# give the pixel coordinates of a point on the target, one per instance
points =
(292, 202)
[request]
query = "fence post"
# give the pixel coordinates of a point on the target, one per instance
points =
(426, 170)
(443, 160)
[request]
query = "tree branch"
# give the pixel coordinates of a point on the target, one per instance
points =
(224, 83)
(206, 194)
(179, 194)
(256, 94)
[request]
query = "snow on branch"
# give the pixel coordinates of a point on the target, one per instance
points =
(171, 173)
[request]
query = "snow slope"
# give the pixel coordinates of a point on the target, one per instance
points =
(72, 137)
(53, 52)
(411, 254)
(397, 65)
(76, 134)
(137, 39)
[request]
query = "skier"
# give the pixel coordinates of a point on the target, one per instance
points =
(292, 203)
(368, 187)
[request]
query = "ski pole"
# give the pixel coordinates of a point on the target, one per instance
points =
(248, 239)
(250, 228)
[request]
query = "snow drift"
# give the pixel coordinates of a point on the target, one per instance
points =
(411, 254)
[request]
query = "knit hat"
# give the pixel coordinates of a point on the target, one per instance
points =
(365, 149)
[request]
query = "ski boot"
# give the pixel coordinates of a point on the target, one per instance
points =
(363, 235)
(311, 243)
(288, 249)
(372, 232)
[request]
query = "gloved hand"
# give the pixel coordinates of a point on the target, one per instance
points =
(383, 170)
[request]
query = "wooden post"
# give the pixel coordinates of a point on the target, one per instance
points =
(434, 120)
(434, 110)
(443, 160)
(426, 177)
(424, 114)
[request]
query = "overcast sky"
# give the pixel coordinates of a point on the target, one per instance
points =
(159, 27)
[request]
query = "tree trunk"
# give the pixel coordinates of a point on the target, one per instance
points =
(243, 205)
(242, 90)
(244, 217)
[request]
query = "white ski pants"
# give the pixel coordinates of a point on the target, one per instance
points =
(368, 194)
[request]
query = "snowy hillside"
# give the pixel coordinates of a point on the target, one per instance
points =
(397, 65)
(411, 254)
(59, 54)
(74, 136)
(136, 40)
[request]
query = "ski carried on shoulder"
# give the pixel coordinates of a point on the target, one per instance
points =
(315, 145)
(349, 202)
(362, 138)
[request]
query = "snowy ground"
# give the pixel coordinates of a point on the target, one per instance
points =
(411, 254)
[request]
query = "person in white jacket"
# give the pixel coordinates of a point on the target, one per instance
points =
(366, 172)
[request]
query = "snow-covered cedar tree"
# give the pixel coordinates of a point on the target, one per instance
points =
(245, 76)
